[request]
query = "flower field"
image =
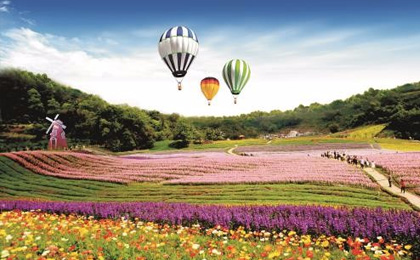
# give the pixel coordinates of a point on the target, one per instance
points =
(76, 237)
(303, 147)
(401, 165)
(182, 231)
(314, 220)
(192, 168)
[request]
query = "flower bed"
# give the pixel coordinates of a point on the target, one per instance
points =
(44, 236)
(198, 168)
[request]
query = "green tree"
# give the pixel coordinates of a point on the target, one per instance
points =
(184, 133)
(35, 107)
(53, 107)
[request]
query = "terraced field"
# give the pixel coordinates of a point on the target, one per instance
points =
(20, 183)
(192, 168)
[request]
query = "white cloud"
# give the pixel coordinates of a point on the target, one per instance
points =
(286, 69)
(28, 21)
(3, 6)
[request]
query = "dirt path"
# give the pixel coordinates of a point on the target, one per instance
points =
(230, 151)
(383, 181)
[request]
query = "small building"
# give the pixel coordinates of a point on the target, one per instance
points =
(292, 133)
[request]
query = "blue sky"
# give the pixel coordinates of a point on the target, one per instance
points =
(300, 51)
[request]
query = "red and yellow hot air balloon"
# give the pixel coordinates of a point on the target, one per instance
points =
(209, 87)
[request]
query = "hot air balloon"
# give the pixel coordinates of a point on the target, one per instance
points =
(209, 87)
(178, 46)
(236, 74)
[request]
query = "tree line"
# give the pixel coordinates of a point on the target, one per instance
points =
(26, 98)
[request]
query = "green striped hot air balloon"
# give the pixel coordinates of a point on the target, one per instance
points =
(236, 74)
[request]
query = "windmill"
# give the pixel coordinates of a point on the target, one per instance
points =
(57, 135)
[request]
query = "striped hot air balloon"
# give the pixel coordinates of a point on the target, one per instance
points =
(178, 46)
(236, 74)
(209, 87)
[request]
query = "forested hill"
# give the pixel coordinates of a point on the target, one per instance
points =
(26, 98)
(398, 107)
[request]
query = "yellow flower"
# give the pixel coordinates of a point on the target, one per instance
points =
(408, 247)
(83, 232)
(274, 254)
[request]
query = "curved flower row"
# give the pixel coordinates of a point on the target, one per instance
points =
(44, 236)
(201, 168)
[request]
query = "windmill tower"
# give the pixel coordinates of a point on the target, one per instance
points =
(57, 135)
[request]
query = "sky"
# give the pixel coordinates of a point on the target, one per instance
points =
(299, 52)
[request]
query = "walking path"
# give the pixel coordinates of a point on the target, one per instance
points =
(230, 151)
(383, 181)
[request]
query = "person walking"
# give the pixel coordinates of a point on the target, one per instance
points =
(402, 183)
(372, 165)
(390, 181)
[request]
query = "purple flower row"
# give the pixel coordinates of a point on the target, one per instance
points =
(314, 220)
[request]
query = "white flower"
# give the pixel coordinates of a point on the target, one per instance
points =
(8, 237)
(214, 251)
(124, 234)
(46, 252)
(195, 246)
(64, 239)
(4, 253)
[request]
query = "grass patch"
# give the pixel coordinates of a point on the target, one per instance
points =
(399, 144)
(20, 183)
(364, 132)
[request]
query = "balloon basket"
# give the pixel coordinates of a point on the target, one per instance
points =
(234, 100)
(179, 86)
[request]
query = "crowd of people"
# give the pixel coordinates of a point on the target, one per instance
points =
(359, 161)
(351, 159)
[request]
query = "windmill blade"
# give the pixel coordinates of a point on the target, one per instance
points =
(49, 128)
(49, 119)
(63, 126)
(55, 118)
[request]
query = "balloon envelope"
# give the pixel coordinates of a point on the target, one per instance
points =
(178, 47)
(209, 87)
(236, 74)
